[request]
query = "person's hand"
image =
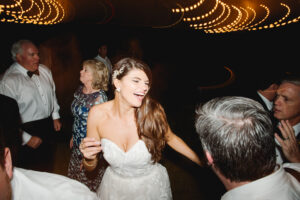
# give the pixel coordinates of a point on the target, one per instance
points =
(34, 142)
(289, 144)
(57, 124)
(71, 143)
(90, 147)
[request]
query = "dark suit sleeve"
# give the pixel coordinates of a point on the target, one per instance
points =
(10, 122)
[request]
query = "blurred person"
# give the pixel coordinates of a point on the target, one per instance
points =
(11, 124)
(237, 136)
(18, 183)
(287, 108)
(94, 78)
(264, 90)
(131, 130)
(102, 56)
(31, 85)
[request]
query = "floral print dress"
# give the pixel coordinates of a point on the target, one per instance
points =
(80, 108)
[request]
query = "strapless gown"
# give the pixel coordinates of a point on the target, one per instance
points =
(131, 175)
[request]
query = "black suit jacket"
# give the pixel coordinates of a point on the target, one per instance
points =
(10, 121)
(256, 97)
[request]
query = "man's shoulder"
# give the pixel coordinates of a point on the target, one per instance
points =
(53, 185)
(44, 68)
(11, 75)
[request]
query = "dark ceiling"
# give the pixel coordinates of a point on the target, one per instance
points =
(210, 16)
(213, 15)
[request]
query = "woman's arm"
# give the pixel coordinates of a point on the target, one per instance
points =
(90, 146)
(181, 147)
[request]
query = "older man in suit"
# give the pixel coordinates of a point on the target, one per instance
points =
(287, 112)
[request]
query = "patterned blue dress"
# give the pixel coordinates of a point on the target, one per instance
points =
(80, 108)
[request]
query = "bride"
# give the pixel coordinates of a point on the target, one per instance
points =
(131, 130)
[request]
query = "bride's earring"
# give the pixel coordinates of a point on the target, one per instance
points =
(118, 89)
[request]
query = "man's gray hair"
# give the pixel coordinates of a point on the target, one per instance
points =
(238, 134)
(17, 48)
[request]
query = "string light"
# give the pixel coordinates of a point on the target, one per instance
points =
(42, 12)
(227, 17)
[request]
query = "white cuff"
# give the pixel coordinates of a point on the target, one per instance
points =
(25, 138)
(55, 115)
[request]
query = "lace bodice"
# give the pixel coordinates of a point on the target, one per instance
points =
(135, 162)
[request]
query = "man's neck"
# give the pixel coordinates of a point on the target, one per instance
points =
(229, 185)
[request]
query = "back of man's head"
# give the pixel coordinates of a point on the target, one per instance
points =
(237, 133)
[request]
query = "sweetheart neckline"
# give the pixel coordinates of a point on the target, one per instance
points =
(120, 147)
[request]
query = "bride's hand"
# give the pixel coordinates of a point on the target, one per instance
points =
(90, 147)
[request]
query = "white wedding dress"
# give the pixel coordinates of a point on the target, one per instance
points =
(131, 175)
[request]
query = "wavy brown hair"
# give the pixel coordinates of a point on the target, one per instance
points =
(152, 126)
(150, 117)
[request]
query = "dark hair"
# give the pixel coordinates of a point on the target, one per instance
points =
(263, 80)
(291, 78)
(238, 133)
(124, 65)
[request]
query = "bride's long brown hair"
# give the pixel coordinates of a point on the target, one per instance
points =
(151, 119)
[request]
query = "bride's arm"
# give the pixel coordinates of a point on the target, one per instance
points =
(181, 147)
(90, 146)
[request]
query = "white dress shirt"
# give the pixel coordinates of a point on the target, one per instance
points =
(35, 185)
(106, 61)
(279, 185)
(35, 96)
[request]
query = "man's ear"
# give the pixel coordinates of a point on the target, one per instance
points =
(209, 158)
(18, 57)
(8, 163)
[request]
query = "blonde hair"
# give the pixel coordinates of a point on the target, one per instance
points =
(100, 74)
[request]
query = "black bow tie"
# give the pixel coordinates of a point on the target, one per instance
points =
(30, 73)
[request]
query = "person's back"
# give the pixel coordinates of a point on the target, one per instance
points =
(36, 185)
(18, 183)
(238, 140)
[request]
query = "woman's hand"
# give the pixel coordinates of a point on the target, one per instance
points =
(90, 147)
(289, 144)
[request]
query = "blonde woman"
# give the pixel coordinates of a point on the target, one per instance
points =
(94, 78)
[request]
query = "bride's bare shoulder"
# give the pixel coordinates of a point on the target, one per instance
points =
(100, 110)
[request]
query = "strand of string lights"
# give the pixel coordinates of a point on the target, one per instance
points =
(40, 12)
(225, 17)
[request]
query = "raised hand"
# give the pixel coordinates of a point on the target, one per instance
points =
(90, 147)
(289, 144)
